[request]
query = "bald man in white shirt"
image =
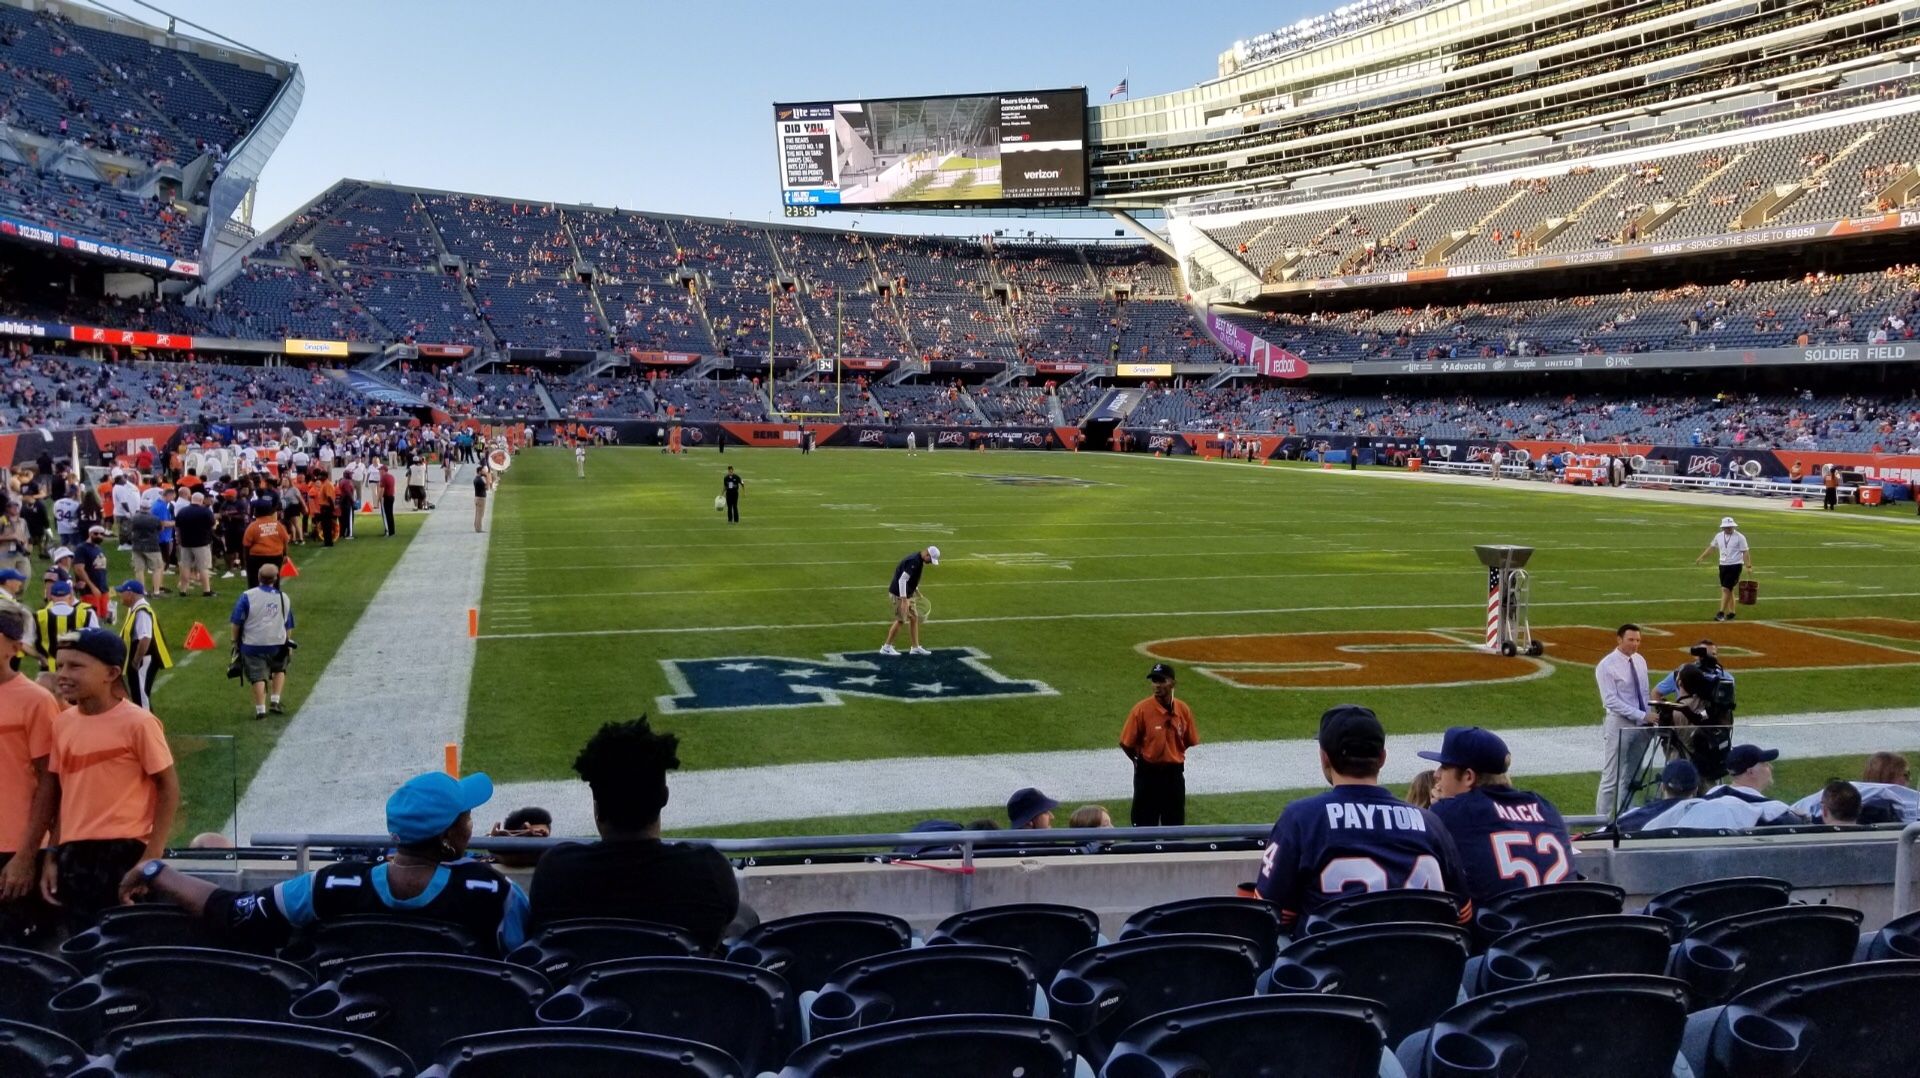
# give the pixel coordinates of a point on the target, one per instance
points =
(1628, 724)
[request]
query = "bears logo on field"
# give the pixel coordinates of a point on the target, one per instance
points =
(751, 682)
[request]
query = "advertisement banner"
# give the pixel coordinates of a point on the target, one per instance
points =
(866, 364)
(297, 347)
(663, 359)
(14, 228)
(18, 327)
(1143, 370)
(1823, 355)
(1271, 360)
(965, 366)
(1059, 368)
(129, 338)
(561, 355)
(444, 351)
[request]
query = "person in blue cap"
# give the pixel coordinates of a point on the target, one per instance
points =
(1679, 781)
(429, 876)
(1508, 838)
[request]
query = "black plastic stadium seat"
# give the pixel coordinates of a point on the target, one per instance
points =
(234, 1048)
(418, 1002)
(973, 1044)
(1697, 903)
(1544, 904)
(1305, 1036)
(1412, 969)
(580, 1053)
(564, 946)
(154, 984)
(1100, 992)
(135, 926)
(1581, 947)
(31, 1051)
(322, 948)
(1898, 938)
(747, 1012)
(1572, 1028)
(1047, 933)
(1249, 919)
(28, 979)
(1381, 907)
(960, 978)
(1721, 958)
(1847, 1022)
(805, 949)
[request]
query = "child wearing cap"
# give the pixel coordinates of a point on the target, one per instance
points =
(63, 614)
(119, 792)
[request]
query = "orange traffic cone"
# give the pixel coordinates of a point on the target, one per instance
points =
(1797, 503)
(287, 571)
(366, 507)
(198, 638)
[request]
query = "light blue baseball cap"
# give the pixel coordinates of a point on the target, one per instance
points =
(427, 804)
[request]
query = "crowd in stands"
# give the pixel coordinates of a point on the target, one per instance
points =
(64, 392)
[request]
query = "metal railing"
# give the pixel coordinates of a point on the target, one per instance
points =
(1903, 870)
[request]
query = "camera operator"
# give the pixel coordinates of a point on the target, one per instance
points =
(1703, 712)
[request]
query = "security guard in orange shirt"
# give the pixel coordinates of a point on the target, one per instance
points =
(1158, 733)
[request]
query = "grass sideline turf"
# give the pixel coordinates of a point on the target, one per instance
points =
(197, 702)
(1572, 794)
(1060, 566)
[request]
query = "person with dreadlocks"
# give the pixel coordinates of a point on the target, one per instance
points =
(630, 872)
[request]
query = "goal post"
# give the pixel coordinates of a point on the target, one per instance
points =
(821, 365)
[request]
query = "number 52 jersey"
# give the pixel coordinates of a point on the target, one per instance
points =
(1352, 839)
(1508, 839)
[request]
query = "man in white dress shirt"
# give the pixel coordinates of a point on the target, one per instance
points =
(1628, 725)
(1734, 557)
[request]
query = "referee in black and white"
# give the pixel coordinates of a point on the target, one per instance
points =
(730, 485)
(1734, 558)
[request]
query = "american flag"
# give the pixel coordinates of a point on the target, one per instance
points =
(1119, 89)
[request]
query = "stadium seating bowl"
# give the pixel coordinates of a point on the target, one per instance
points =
(1846, 1022)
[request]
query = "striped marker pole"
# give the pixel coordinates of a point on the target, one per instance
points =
(1493, 610)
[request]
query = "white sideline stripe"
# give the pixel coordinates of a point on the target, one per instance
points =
(944, 586)
(391, 698)
(861, 787)
(1110, 615)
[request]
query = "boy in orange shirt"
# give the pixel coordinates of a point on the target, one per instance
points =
(119, 792)
(27, 792)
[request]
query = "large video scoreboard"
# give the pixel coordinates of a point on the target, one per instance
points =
(1015, 149)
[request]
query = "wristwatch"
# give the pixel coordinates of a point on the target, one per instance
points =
(151, 869)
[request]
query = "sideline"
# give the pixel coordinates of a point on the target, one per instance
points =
(938, 783)
(393, 695)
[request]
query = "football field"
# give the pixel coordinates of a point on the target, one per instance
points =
(1275, 591)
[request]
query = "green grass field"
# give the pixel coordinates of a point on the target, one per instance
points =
(1063, 568)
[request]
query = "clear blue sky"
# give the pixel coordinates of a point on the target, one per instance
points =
(667, 106)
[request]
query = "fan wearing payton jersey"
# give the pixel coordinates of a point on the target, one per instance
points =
(1508, 838)
(1357, 836)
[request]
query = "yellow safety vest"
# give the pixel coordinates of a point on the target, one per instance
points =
(53, 626)
(159, 641)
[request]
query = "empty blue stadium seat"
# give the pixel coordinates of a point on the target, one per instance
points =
(152, 984)
(28, 979)
(236, 1048)
(749, 1013)
(420, 1001)
(1100, 992)
(1577, 947)
(135, 926)
(1845, 1022)
(580, 1053)
(1256, 921)
(1898, 938)
(1572, 1028)
(1412, 969)
(31, 1051)
(1697, 903)
(1380, 907)
(323, 947)
(808, 947)
(562, 947)
(960, 978)
(1294, 1036)
(1047, 933)
(1720, 958)
(1540, 905)
(974, 1044)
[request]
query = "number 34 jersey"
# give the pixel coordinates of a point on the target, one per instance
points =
(1352, 839)
(1508, 839)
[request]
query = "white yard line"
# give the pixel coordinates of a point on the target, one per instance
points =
(860, 787)
(392, 697)
(1114, 615)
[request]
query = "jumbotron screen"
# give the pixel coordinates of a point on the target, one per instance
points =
(1026, 149)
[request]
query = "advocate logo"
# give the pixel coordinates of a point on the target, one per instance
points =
(752, 682)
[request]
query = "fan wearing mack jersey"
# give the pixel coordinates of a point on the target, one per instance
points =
(1357, 836)
(1508, 838)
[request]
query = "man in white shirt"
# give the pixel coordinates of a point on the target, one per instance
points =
(126, 502)
(1627, 727)
(1741, 803)
(1732, 547)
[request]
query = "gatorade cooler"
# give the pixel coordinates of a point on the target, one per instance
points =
(1749, 592)
(1414, 463)
(1872, 495)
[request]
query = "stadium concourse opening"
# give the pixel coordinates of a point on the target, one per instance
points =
(644, 626)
